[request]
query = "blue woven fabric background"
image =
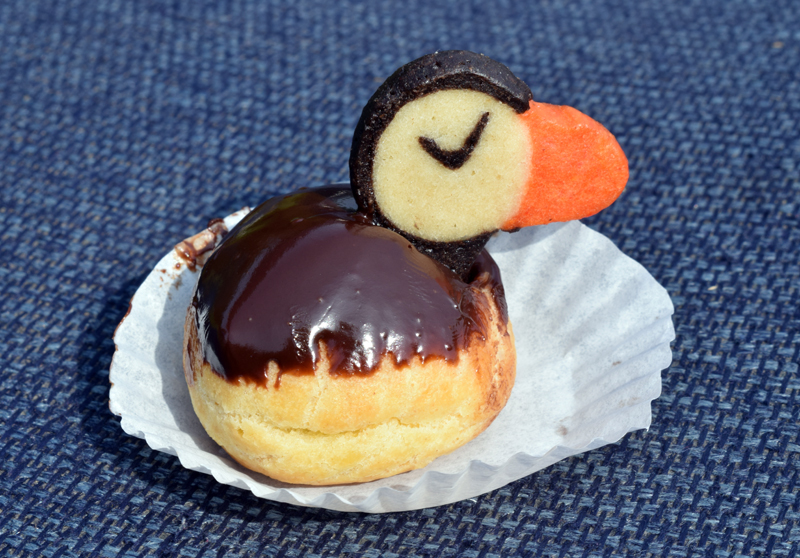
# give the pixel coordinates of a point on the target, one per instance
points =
(126, 125)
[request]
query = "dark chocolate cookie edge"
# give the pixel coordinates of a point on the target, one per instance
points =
(454, 69)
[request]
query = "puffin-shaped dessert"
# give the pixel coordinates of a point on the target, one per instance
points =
(345, 334)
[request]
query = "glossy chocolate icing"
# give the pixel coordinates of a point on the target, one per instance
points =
(308, 268)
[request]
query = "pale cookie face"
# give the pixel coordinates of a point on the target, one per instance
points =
(437, 189)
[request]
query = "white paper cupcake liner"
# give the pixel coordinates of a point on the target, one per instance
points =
(592, 330)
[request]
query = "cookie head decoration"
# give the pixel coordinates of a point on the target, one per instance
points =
(452, 148)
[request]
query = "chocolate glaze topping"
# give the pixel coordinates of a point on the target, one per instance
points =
(307, 268)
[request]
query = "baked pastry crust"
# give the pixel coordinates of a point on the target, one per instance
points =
(324, 428)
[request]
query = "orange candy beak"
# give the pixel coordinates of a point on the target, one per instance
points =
(578, 167)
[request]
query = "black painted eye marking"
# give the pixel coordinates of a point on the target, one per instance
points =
(455, 159)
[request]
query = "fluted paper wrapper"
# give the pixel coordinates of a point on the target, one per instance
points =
(592, 330)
